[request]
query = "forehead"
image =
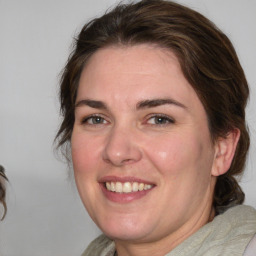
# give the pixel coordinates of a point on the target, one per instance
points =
(132, 73)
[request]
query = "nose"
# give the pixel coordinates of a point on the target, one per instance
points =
(121, 147)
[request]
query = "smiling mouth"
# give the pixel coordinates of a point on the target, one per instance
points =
(127, 187)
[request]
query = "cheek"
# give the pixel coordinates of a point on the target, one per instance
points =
(84, 154)
(85, 161)
(185, 166)
(169, 154)
(181, 156)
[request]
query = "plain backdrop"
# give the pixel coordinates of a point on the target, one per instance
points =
(45, 216)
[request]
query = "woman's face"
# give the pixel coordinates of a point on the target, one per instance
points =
(141, 147)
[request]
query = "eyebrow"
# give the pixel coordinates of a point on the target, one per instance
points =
(140, 105)
(91, 103)
(158, 102)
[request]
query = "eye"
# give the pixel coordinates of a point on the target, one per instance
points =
(160, 120)
(94, 120)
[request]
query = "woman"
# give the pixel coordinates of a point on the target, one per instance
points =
(153, 101)
(2, 190)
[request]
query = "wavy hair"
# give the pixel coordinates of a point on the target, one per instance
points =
(3, 178)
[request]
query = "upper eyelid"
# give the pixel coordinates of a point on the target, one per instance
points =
(160, 115)
(83, 114)
(170, 120)
(93, 115)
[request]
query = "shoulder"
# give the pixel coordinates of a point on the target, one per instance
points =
(245, 212)
(235, 224)
(102, 246)
(233, 230)
(238, 217)
(228, 234)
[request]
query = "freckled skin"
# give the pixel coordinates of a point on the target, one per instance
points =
(177, 157)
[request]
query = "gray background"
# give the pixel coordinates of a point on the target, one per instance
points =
(45, 216)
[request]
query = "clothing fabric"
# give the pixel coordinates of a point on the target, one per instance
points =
(251, 248)
(229, 234)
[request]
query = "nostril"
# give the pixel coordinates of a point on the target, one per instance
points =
(127, 161)
(118, 162)
(107, 160)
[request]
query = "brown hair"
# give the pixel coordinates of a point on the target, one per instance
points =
(207, 58)
(2, 190)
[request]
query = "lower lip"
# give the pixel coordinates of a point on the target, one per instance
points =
(123, 197)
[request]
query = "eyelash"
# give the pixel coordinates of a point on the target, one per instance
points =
(165, 120)
(86, 120)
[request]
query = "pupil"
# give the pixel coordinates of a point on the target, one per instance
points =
(97, 120)
(159, 120)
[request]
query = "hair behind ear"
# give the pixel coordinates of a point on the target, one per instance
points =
(228, 193)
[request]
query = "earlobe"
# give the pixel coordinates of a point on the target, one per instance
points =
(225, 149)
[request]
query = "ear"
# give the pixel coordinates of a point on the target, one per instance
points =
(225, 149)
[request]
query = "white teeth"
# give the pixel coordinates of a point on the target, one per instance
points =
(119, 187)
(147, 186)
(108, 185)
(141, 186)
(127, 187)
(112, 186)
(135, 186)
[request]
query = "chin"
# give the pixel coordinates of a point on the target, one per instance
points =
(125, 228)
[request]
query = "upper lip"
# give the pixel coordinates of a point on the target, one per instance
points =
(124, 179)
